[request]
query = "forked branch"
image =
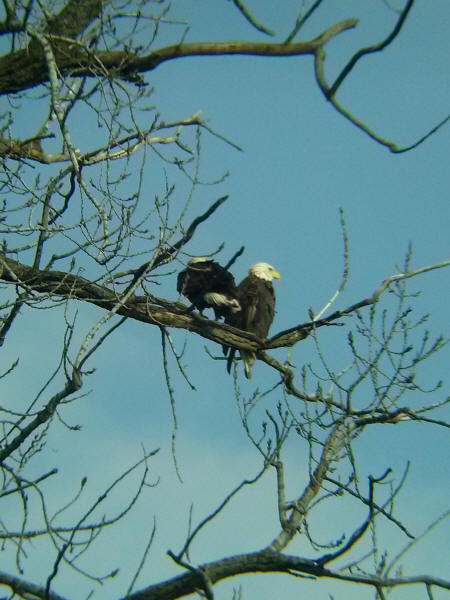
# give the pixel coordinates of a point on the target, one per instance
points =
(23, 70)
(291, 336)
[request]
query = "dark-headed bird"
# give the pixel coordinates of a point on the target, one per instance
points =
(207, 284)
(257, 299)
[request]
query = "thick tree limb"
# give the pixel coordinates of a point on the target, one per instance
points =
(266, 562)
(257, 562)
(70, 22)
(174, 314)
(25, 69)
(140, 308)
(25, 589)
(75, 17)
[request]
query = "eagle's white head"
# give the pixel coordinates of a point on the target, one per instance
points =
(264, 271)
(199, 259)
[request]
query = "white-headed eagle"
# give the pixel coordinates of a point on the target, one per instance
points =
(207, 284)
(257, 299)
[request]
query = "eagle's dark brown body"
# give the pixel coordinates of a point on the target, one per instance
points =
(257, 299)
(207, 284)
(256, 296)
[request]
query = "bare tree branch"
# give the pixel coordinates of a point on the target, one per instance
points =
(265, 562)
(293, 335)
(26, 589)
(107, 223)
(251, 19)
(172, 314)
(371, 49)
(82, 62)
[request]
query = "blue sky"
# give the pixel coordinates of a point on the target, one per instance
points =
(301, 161)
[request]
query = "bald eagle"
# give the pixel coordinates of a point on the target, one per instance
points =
(207, 284)
(257, 299)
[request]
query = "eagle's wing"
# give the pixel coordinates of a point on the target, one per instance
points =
(180, 281)
(251, 307)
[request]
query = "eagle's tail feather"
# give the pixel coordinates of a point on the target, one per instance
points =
(230, 358)
(249, 359)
